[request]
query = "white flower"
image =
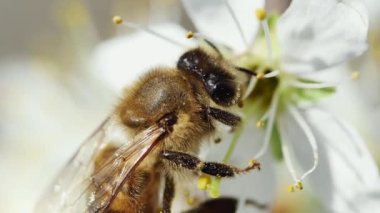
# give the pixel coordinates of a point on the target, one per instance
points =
(312, 36)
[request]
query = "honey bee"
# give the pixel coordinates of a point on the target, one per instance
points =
(155, 133)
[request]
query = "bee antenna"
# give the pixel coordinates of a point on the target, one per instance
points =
(199, 37)
(237, 23)
(119, 21)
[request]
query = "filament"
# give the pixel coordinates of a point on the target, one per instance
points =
(268, 131)
(251, 86)
(119, 21)
(288, 162)
(237, 23)
(272, 74)
(264, 25)
(310, 138)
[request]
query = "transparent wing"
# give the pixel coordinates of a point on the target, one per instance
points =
(79, 188)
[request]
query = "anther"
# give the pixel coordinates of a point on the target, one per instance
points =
(299, 185)
(117, 20)
(355, 75)
(260, 76)
(189, 35)
(261, 14)
(260, 124)
(254, 164)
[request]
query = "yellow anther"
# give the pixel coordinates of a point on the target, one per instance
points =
(189, 35)
(117, 20)
(204, 182)
(260, 76)
(260, 124)
(299, 185)
(291, 188)
(261, 14)
(355, 75)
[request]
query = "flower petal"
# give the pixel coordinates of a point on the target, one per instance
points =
(120, 61)
(213, 19)
(317, 34)
(346, 171)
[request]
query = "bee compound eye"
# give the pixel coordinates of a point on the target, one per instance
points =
(223, 93)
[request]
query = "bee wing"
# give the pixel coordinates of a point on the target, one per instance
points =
(73, 190)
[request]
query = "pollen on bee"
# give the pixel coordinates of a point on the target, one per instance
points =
(355, 75)
(189, 35)
(215, 194)
(252, 162)
(261, 14)
(190, 200)
(204, 182)
(117, 20)
(260, 123)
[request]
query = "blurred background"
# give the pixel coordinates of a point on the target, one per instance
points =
(51, 98)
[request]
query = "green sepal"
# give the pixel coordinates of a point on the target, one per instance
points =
(313, 95)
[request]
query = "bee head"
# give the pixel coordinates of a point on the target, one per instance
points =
(219, 83)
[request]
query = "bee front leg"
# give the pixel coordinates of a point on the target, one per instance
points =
(168, 194)
(187, 161)
(222, 116)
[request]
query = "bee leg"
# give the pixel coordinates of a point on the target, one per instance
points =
(168, 194)
(223, 116)
(211, 168)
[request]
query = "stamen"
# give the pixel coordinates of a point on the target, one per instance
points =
(272, 74)
(299, 185)
(251, 87)
(261, 14)
(268, 131)
(310, 137)
(260, 124)
(288, 162)
(119, 21)
(260, 76)
(355, 75)
(189, 35)
(265, 27)
(199, 37)
(239, 27)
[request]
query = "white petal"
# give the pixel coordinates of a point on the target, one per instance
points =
(346, 170)
(370, 201)
(120, 61)
(259, 186)
(317, 34)
(212, 18)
